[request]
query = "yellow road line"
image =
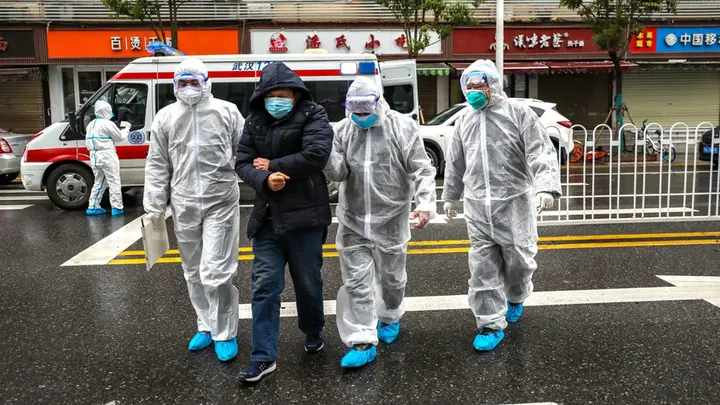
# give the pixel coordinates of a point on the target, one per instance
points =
(579, 238)
(598, 245)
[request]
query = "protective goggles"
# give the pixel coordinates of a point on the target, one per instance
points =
(361, 104)
(475, 78)
(190, 78)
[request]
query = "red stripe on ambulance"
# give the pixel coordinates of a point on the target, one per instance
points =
(52, 155)
(224, 74)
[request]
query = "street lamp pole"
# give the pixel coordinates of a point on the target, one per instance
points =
(499, 35)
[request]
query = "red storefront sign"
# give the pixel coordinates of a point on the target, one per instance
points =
(644, 42)
(525, 41)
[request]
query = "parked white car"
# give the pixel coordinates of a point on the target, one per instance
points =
(436, 131)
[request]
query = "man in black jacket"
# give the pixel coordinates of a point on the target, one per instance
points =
(284, 147)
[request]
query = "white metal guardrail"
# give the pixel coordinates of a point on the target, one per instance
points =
(661, 177)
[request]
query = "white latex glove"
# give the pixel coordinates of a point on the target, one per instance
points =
(419, 219)
(450, 209)
(152, 217)
(544, 201)
(125, 125)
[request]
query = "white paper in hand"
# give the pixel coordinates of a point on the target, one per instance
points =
(155, 240)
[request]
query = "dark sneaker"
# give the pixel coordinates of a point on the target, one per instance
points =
(314, 343)
(257, 370)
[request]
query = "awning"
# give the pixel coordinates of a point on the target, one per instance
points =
(433, 69)
(513, 68)
(538, 68)
(15, 74)
(588, 67)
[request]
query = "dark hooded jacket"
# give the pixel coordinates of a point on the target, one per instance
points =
(298, 145)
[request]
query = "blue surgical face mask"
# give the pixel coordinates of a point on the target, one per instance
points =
(477, 99)
(366, 121)
(278, 107)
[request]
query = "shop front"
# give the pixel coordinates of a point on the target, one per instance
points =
(558, 64)
(82, 61)
(386, 43)
(23, 79)
(679, 76)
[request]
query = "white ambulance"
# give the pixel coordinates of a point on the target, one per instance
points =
(56, 159)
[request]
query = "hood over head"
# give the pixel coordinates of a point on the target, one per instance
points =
(277, 75)
(193, 68)
(103, 110)
(363, 87)
(495, 81)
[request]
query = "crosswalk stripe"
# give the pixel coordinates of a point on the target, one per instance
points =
(25, 198)
(13, 207)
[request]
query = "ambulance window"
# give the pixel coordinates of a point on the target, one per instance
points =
(400, 98)
(165, 95)
(236, 93)
(330, 95)
(128, 101)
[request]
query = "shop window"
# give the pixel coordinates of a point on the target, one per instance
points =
(88, 84)
(400, 98)
(128, 101)
(68, 84)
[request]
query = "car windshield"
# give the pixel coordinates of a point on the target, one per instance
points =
(445, 115)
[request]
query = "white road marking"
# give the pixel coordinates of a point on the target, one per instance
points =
(25, 198)
(13, 207)
(108, 248)
(697, 290)
(22, 191)
(695, 281)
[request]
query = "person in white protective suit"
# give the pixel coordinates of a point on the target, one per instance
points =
(192, 164)
(379, 158)
(100, 141)
(502, 161)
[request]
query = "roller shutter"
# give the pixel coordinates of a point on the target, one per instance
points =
(668, 97)
(22, 107)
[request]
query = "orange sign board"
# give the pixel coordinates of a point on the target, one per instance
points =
(76, 44)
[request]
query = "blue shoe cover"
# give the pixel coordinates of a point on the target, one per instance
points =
(226, 350)
(358, 358)
(514, 312)
(116, 212)
(388, 333)
(200, 341)
(96, 211)
(487, 339)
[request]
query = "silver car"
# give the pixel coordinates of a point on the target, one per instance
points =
(11, 150)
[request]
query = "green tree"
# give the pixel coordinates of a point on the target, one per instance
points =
(421, 17)
(150, 11)
(614, 22)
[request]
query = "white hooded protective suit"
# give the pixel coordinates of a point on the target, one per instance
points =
(191, 163)
(380, 170)
(499, 157)
(101, 135)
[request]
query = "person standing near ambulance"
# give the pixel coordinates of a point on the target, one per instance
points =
(100, 141)
(191, 163)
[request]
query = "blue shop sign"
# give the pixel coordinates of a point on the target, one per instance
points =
(688, 39)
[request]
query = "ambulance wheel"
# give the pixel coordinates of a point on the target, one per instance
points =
(68, 186)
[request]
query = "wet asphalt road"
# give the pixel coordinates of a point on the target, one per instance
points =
(116, 334)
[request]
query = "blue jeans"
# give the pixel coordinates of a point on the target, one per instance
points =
(302, 251)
